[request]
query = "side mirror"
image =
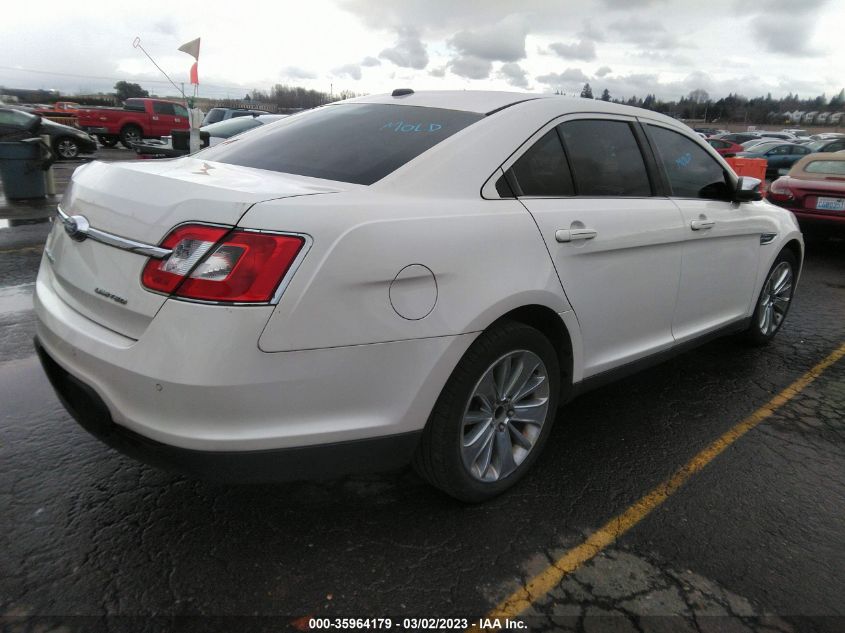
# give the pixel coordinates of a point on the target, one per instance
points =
(747, 190)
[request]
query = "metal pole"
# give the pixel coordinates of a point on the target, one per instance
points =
(49, 175)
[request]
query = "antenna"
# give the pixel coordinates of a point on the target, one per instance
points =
(136, 43)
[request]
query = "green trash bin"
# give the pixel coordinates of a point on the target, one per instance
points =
(22, 165)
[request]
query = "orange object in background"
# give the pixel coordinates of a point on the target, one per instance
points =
(753, 167)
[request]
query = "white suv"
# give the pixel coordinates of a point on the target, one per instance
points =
(421, 276)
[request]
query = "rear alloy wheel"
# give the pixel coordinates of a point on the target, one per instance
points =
(67, 148)
(774, 301)
(505, 416)
(494, 414)
(130, 135)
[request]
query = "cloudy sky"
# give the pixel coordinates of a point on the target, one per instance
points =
(666, 47)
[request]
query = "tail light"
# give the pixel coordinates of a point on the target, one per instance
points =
(779, 191)
(218, 264)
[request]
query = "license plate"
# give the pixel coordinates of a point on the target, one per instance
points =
(831, 204)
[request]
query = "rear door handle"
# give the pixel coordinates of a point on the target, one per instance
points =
(574, 235)
(702, 225)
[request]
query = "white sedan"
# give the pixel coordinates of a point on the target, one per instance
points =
(416, 277)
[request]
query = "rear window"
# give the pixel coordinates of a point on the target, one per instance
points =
(214, 115)
(355, 142)
(230, 127)
(833, 167)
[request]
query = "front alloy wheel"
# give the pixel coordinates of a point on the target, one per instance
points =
(774, 301)
(67, 148)
(505, 415)
(775, 298)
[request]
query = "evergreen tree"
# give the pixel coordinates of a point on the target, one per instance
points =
(587, 92)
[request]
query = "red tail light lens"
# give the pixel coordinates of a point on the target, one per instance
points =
(214, 264)
(779, 191)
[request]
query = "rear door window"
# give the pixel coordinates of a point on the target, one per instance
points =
(163, 108)
(543, 170)
(605, 158)
(353, 142)
(692, 172)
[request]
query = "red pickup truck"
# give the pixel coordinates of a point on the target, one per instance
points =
(137, 119)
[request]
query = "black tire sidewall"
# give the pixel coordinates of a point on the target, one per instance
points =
(448, 413)
(124, 135)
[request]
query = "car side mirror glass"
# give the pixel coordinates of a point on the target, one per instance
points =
(747, 189)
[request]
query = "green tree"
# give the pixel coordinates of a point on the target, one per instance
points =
(837, 101)
(125, 90)
(587, 92)
(605, 95)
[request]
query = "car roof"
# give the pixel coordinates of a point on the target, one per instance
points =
(489, 102)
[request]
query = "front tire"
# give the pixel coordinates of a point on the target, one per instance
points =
(66, 148)
(774, 300)
(494, 415)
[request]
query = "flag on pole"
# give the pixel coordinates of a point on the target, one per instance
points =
(192, 48)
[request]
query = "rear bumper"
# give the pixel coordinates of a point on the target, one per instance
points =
(196, 381)
(820, 219)
(310, 462)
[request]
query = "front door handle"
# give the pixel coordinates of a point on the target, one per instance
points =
(574, 235)
(702, 225)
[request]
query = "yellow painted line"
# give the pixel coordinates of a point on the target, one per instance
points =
(541, 584)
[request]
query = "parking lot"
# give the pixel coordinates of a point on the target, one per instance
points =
(750, 537)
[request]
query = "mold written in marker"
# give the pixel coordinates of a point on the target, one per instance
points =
(406, 126)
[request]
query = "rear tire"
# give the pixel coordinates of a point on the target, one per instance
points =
(774, 300)
(475, 447)
(130, 134)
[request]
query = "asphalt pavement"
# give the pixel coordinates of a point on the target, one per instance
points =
(753, 541)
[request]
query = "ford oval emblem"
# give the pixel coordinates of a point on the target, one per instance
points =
(77, 227)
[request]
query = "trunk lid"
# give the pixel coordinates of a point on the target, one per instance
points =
(144, 201)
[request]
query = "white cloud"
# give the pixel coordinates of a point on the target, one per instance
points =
(568, 78)
(353, 71)
(583, 49)
(471, 67)
(514, 74)
(503, 41)
(409, 51)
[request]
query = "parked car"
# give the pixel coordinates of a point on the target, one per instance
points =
(829, 145)
(747, 145)
(725, 148)
(826, 136)
(709, 131)
(778, 155)
(138, 119)
(215, 115)
(419, 276)
(738, 137)
(798, 132)
(67, 142)
(783, 136)
(814, 190)
(210, 135)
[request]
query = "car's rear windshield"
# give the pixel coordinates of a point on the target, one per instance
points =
(230, 127)
(353, 142)
(833, 167)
